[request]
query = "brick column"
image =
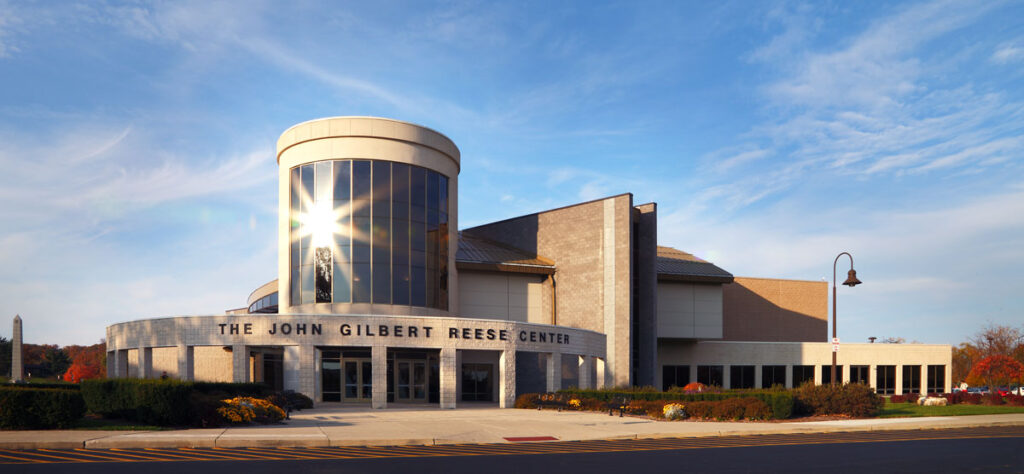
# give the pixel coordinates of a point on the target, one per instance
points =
(186, 362)
(758, 377)
(449, 377)
(380, 376)
(873, 377)
(554, 372)
(145, 355)
(239, 363)
(122, 363)
(924, 380)
(789, 376)
(899, 380)
(601, 373)
(507, 379)
(291, 364)
(586, 370)
(111, 364)
(308, 368)
(726, 377)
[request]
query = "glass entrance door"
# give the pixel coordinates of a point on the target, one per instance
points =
(346, 376)
(411, 380)
(358, 377)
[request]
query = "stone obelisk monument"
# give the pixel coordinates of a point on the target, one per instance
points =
(17, 369)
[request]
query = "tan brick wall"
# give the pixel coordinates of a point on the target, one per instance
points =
(764, 309)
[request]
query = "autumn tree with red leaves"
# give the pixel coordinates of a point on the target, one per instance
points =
(996, 370)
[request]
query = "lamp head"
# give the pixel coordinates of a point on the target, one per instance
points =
(851, 278)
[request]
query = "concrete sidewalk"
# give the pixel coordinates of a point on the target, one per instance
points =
(342, 425)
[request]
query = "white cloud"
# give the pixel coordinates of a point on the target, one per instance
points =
(1008, 53)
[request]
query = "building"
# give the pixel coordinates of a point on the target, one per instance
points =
(380, 299)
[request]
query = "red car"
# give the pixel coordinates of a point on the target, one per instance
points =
(1003, 391)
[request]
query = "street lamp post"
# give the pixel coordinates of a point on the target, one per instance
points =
(851, 281)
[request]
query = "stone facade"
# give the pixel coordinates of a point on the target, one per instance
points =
(590, 243)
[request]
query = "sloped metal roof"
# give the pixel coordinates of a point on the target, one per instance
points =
(674, 264)
(476, 253)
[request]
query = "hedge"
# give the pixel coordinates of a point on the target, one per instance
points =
(34, 408)
(780, 402)
(163, 402)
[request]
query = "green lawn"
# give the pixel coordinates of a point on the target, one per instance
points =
(897, 410)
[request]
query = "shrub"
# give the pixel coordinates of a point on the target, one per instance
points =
(756, 409)
(701, 409)
(290, 399)
(963, 398)
(856, 400)
(246, 409)
(992, 399)
(170, 402)
(32, 408)
(527, 400)
(1014, 400)
(781, 402)
(731, 409)
(673, 411)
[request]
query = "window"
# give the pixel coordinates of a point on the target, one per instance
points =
(802, 374)
(710, 375)
(674, 376)
(885, 379)
(772, 375)
(741, 376)
(911, 379)
(936, 378)
(368, 231)
(859, 374)
(826, 374)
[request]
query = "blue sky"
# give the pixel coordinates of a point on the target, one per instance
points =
(137, 140)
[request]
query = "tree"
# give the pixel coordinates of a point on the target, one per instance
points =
(964, 357)
(999, 340)
(80, 371)
(87, 361)
(996, 370)
(56, 361)
(6, 350)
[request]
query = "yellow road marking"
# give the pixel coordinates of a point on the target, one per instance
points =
(21, 459)
(561, 447)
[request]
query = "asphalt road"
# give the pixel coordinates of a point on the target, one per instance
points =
(976, 450)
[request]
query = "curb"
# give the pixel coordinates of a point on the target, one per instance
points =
(227, 440)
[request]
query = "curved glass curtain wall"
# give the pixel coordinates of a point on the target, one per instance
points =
(368, 231)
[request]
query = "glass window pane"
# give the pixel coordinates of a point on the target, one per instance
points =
(307, 250)
(382, 284)
(361, 183)
(324, 186)
(432, 191)
(400, 182)
(342, 180)
(381, 189)
(342, 282)
(418, 292)
(296, 286)
(400, 262)
(294, 188)
(306, 196)
(381, 241)
(323, 269)
(307, 284)
(443, 193)
(361, 239)
(360, 282)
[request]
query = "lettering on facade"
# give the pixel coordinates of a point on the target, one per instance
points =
(396, 331)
